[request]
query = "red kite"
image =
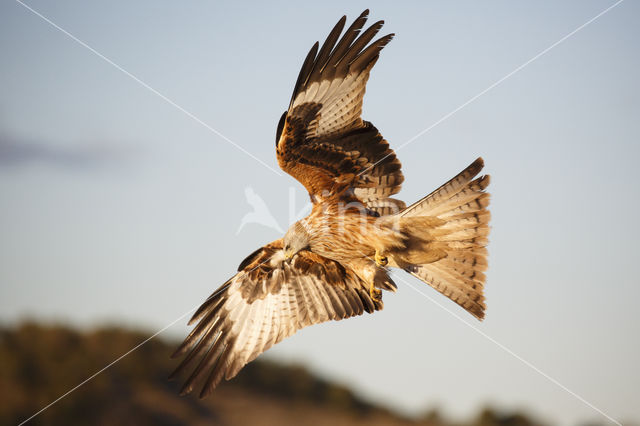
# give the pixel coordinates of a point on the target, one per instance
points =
(333, 264)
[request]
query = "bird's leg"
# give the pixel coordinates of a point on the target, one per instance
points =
(376, 294)
(381, 260)
(370, 273)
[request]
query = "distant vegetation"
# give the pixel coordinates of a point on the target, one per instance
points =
(38, 364)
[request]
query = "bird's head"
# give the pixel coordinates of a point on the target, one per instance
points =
(296, 239)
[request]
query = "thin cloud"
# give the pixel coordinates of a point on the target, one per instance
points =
(19, 153)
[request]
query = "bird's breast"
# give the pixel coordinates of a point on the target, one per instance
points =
(342, 237)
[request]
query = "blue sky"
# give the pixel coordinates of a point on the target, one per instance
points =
(117, 206)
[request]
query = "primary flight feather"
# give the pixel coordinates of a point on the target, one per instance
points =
(332, 264)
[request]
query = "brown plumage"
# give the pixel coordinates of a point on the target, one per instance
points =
(322, 141)
(330, 265)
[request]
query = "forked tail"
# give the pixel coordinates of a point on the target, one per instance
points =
(448, 232)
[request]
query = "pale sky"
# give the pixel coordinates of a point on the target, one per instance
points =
(119, 207)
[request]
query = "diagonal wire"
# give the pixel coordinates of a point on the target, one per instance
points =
(500, 345)
(129, 352)
(510, 352)
(147, 86)
(107, 366)
(492, 86)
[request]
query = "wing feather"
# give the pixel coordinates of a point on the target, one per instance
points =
(265, 302)
(322, 140)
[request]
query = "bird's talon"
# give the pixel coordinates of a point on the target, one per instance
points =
(381, 260)
(375, 294)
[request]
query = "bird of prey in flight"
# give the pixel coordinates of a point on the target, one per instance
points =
(334, 263)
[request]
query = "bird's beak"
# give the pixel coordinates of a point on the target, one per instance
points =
(288, 255)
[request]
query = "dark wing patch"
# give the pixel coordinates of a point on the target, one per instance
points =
(322, 140)
(281, 122)
(265, 302)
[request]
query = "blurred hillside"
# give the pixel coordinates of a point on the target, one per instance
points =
(40, 363)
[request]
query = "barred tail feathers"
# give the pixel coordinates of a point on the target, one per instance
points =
(448, 233)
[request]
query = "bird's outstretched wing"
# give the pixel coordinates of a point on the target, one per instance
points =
(321, 139)
(266, 301)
